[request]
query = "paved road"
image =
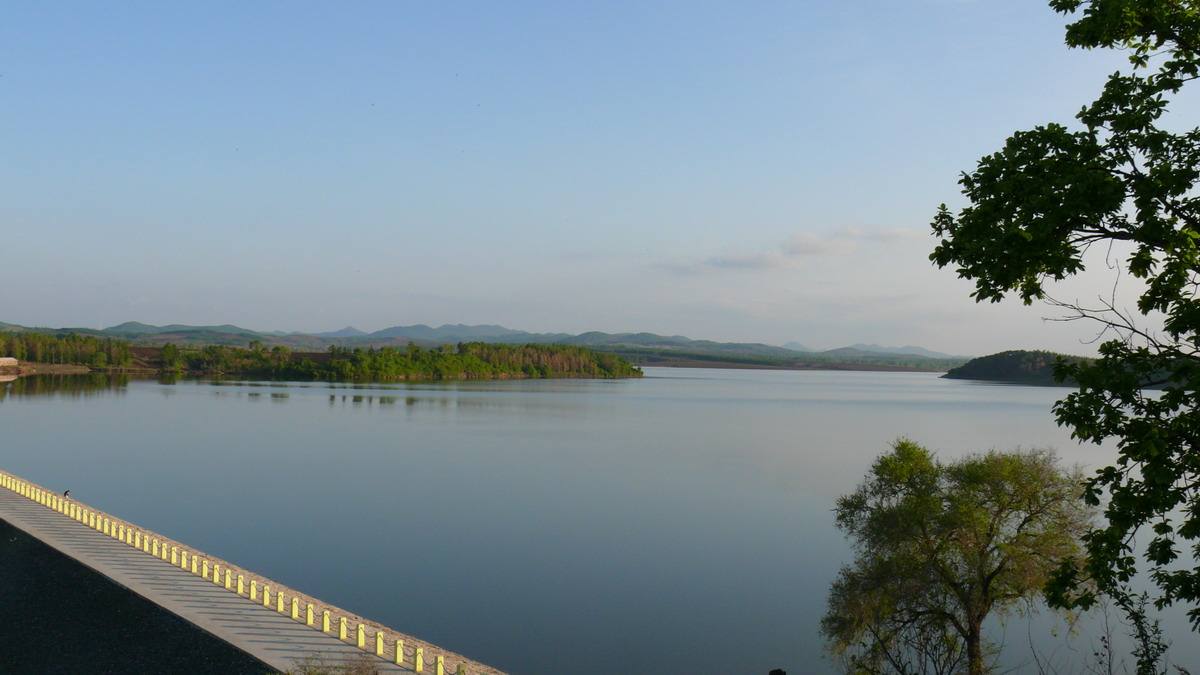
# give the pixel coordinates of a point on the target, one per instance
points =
(271, 637)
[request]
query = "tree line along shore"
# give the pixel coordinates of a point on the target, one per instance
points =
(469, 360)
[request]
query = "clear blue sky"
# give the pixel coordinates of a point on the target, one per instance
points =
(755, 172)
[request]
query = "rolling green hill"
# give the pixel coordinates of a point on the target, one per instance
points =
(1016, 366)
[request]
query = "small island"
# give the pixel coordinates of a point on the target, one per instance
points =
(1017, 366)
(464, 361)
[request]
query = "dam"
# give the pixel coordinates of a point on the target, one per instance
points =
(275, 624)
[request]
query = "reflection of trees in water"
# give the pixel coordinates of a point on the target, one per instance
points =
(70, 386)
(465, 403)
(276, 397)
(360, 399)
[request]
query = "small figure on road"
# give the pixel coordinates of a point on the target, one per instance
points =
(67, 494)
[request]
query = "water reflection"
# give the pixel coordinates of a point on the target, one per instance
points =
(531, 524)
(67, 386)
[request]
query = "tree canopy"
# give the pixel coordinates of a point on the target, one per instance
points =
(1123, 174)
(941, 546)
(1018, 365)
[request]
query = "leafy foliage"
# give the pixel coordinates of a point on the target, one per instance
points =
(470, 360)
(1122, 177)
(70, 348)
(939, 548)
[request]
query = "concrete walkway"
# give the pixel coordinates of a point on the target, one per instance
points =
(269, 636)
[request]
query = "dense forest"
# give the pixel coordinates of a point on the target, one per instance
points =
(1018, 366)
(470, 360)
(83, 350)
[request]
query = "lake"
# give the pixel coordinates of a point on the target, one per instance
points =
(677, 523)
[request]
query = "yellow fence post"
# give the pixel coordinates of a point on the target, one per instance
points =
(253, 589)
(462, 670)
(279, 602)
(228, 579)
(295, 609)
(266, 596)
(241, 585)
(399, 652)
(441, 665)
(342, 628)
(360, 636)
(120, 533)
(145, 544)
(325, 621)
(308, 615)
(378, 643)
(419, 660)
(203, 568)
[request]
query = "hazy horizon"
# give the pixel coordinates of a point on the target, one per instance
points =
(272, 331)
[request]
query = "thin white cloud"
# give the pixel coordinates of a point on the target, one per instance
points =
(888, 235)
(807, 244)
(790, 254)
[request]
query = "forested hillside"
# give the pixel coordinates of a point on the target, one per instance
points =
(471, 360)
(1016, 366)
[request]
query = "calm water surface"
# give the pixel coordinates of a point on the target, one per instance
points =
(677, 523)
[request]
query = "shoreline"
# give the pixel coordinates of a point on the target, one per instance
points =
(30, 368)
(685, 362)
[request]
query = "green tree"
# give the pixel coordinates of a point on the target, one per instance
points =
(939, 547)
(1124, 175)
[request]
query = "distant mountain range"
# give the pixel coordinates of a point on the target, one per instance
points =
(631, 344)
(861, 348)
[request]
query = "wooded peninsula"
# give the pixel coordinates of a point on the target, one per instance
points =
(466, 360)
(1018, 366)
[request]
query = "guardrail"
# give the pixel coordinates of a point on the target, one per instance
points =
(371, 637)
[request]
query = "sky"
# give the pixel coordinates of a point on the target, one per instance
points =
(742, 172)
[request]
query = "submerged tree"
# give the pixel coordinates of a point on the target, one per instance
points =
(1124, 175)
(940, 547)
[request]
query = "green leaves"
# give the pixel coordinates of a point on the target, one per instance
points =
(1122, 174)
(1035, 206)
(939, 547)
